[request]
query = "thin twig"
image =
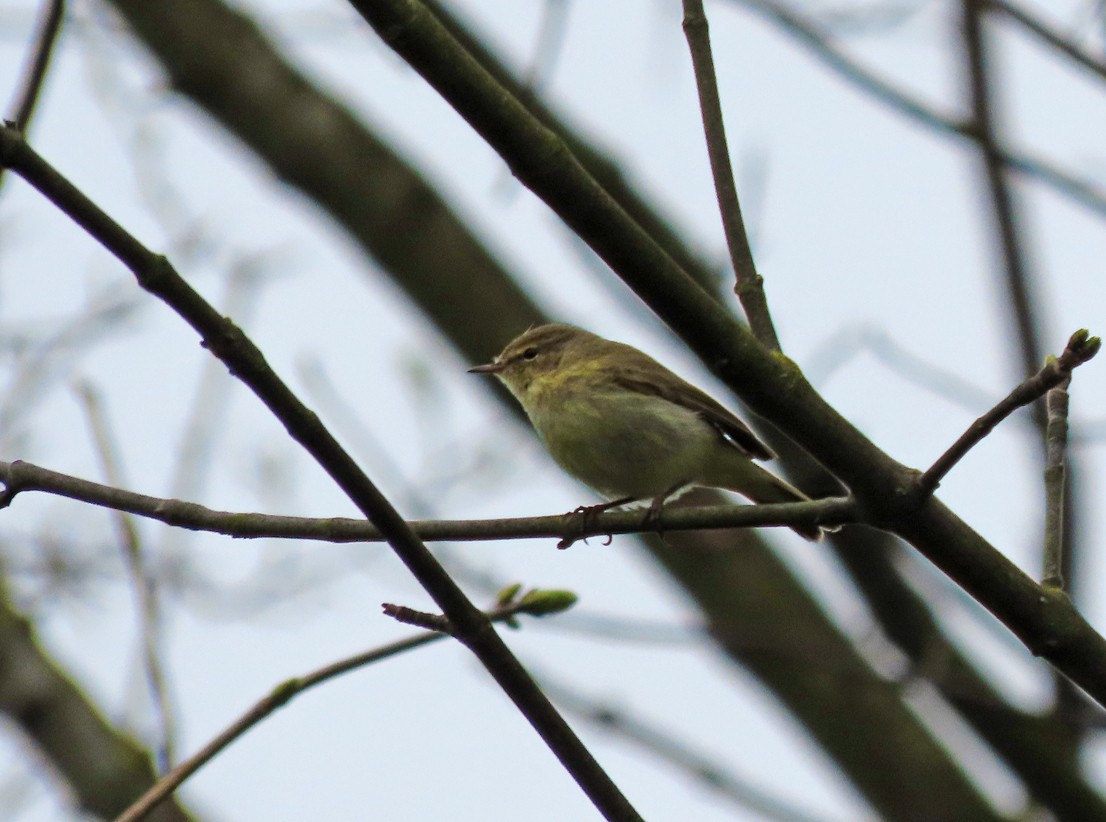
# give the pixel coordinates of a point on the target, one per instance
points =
(145, 587)
(244, 359)
(281, 696)
(1081, 347)
(22, 476)
(34, 75)
(750, 285)
(1056, 441)
(30, 89)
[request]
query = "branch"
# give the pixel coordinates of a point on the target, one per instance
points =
(104, 767)
(34, 77)
(53, 12)
(1056, 441)
(227, 342)
(535, 603)
(750, 285)
(145, 589)
(1080, 348)
(22, 476)
(734, 578)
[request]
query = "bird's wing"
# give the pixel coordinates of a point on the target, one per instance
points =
(728, 425)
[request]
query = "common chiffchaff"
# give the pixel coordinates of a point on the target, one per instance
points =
(625, 425)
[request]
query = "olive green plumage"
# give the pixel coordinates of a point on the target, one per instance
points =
(626, 426)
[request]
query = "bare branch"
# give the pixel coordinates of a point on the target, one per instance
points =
(750, 285)
(53, 12)
(21, 476)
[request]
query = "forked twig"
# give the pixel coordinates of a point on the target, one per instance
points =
(1080, 348)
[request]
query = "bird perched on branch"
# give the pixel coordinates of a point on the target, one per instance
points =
(623, 424)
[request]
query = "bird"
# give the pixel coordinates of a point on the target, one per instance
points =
(629, 428)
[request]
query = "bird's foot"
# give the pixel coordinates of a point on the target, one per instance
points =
(580, 522)
(652, 520)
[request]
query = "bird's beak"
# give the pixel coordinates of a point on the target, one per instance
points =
(490, 368)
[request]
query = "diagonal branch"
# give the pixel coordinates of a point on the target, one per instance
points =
(30, 90)
(1050, 37)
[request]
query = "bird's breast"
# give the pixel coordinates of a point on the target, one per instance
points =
(625, 444)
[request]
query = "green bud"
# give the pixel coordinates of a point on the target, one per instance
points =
(507, 595)
(541, 602)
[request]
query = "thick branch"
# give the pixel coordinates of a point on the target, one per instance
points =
(213, 56)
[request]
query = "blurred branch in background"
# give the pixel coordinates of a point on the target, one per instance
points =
(819, 39)
(148, 610)
(104, 769)
(756, 608)
(1023, 287)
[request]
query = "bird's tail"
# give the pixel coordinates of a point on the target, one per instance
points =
(764, 487)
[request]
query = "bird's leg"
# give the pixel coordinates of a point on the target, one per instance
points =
(582, 520)
(653, 515)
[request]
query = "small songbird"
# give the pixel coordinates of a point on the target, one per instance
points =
(623, 424)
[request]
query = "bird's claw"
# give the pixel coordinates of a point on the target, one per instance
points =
(579, 525)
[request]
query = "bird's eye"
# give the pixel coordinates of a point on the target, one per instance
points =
(530, 354)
